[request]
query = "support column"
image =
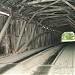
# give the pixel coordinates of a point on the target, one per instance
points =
(13, 35)
(25, 46)
(20, 36)
(5, 28)
(7, 43)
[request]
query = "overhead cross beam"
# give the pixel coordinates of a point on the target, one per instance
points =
(52, 14)
(52, 17)
(36, 2)
(42, 9)
(48, 10)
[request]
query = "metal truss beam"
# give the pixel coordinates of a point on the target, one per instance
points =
(41, 10)
(49, 10)
(20, 36)
(72, 22)
(25, 46)
(51, 14)
(22, 6)
(37, 2)
(39, 35)
(5, 28)
(70, 19)
(69, 4)
(51, 17)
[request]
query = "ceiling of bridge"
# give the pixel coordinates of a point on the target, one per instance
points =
(50, 14)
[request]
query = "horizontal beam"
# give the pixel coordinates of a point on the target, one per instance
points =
(39, 2)
(53, 13)
(59, 25)
(53, 16)
(48, 10)
(36, 2)
(54, 6)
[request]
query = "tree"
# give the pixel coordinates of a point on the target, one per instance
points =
(68, 36)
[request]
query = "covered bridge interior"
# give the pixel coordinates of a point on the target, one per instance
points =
(26, 25)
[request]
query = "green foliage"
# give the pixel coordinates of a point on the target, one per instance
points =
(68, 36)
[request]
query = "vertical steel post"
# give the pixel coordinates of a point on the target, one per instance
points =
(25, 46)
(5, 28)
(20, 36)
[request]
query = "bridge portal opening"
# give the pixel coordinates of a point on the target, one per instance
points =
(68, 37)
